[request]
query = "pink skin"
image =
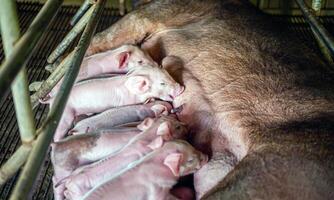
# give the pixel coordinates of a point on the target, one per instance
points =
(98, 95)
(121, 115)
(86, 177)
(79, 150)
(152, 177)
(119, 60)
(76, 151)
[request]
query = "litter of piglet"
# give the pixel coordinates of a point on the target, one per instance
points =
(121, 131)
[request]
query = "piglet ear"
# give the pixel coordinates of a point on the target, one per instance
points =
(137, 84)
(123, 57)
(164, 129)
(173, 162)
(156, 143)
(146, 124)
(159, 110)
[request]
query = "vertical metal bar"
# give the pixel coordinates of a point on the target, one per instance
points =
(82, 10)
(25, 45)
(65, 43)
(318, 28)
(121, 7)
(316, 6)
(36, 157)
(10, 33)
(52, 80)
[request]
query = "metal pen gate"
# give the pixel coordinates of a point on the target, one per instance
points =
(56, 31)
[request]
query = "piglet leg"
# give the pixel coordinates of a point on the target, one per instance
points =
(64, 124)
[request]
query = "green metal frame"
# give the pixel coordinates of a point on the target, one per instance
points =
(324, 39)
(35, 143)
(82, 10)
(13, 74)
(10, 32)
(76, 30)
(316, 6)
(24, 47)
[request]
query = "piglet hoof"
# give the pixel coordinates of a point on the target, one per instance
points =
(35, 86)
(159, 110)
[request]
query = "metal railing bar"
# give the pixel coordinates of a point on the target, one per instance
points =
(316, 6)
(81, 11)
(36, 157)
(121, 4)
(52, 80)
(17, 165)
(317, 26)
(10, 32)
(4, 169)
(26, 44)
(60, 23)
(12, 120)
(69, 38)
(49, 34)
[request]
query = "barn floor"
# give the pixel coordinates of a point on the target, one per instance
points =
(9, 135)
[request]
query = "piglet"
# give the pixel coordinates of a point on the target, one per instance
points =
(152, 176)
(75, 151)
(86, 177)
(121, 115)
(78, 150)
(98, 95)
(119, 60)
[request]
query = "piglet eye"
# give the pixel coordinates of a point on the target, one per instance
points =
(163, 84)
(140, 62)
